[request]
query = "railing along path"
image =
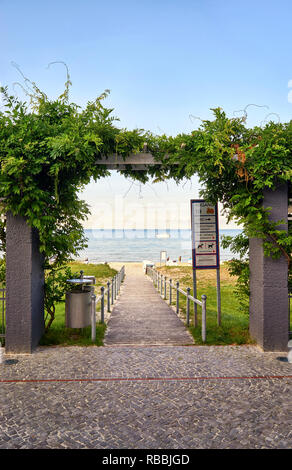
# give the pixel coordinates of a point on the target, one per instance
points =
(160, 282)
(107, 296)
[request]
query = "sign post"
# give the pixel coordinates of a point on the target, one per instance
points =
(205, 245)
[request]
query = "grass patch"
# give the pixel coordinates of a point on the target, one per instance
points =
(234, 327)
(58, 334)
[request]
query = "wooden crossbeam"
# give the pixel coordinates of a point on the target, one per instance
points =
(138, 161)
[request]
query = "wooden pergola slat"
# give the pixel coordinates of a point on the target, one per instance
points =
(138, 161)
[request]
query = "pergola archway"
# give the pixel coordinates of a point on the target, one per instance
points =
(25, 275)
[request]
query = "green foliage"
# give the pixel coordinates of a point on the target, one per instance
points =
(239, 267)
(56, 287)
(48, 150)
(290, 234)
(2, 272)
(235, 164)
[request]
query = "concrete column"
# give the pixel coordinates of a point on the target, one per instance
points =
(269, 283)
(24, 287)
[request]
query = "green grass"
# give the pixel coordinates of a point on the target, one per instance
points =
(58, 334)
(102, 272)
(234, 328)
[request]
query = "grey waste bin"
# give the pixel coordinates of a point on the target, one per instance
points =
(78, 303)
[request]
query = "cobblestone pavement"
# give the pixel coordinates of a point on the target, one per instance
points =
(141, 316)
(164, 397)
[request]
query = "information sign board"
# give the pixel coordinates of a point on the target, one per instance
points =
(205, 235)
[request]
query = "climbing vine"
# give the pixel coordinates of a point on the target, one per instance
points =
(48, 150)
(236, 165)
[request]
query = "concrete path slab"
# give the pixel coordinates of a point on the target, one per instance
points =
(141, 317)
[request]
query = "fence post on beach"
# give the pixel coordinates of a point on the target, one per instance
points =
(112, 290)
(165, 278)
(170, 291)
(102, 305)
(108, 297)
(177, 297)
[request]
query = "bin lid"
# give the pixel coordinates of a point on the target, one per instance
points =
(80, 281)
(92, 278)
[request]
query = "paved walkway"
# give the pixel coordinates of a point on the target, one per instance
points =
(146, 397)
(140, 316)
(181, 397)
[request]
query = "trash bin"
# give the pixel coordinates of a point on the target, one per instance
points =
(78, 303)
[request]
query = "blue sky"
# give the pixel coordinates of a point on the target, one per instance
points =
(162, 60)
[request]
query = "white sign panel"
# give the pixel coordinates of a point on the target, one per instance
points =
(205, 236)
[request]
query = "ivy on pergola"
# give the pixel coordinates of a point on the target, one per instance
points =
(49, 149)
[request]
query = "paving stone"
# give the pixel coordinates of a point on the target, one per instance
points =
(209, 413)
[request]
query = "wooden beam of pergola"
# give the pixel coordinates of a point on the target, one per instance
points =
(137, 161)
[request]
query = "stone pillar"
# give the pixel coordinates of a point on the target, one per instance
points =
(24, 287)
(269, 283)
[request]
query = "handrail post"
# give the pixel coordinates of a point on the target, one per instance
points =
(170, 291)
(93, 318)
(112, 290)
(188, 306)
(108, 297)
(177, 298)
(102, 305)
(165, 278)
(161, 284)
(204, 299)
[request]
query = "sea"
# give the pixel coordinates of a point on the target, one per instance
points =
(126, 245)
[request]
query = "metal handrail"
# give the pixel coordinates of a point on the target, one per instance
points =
(160, 283)
(110, 292)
